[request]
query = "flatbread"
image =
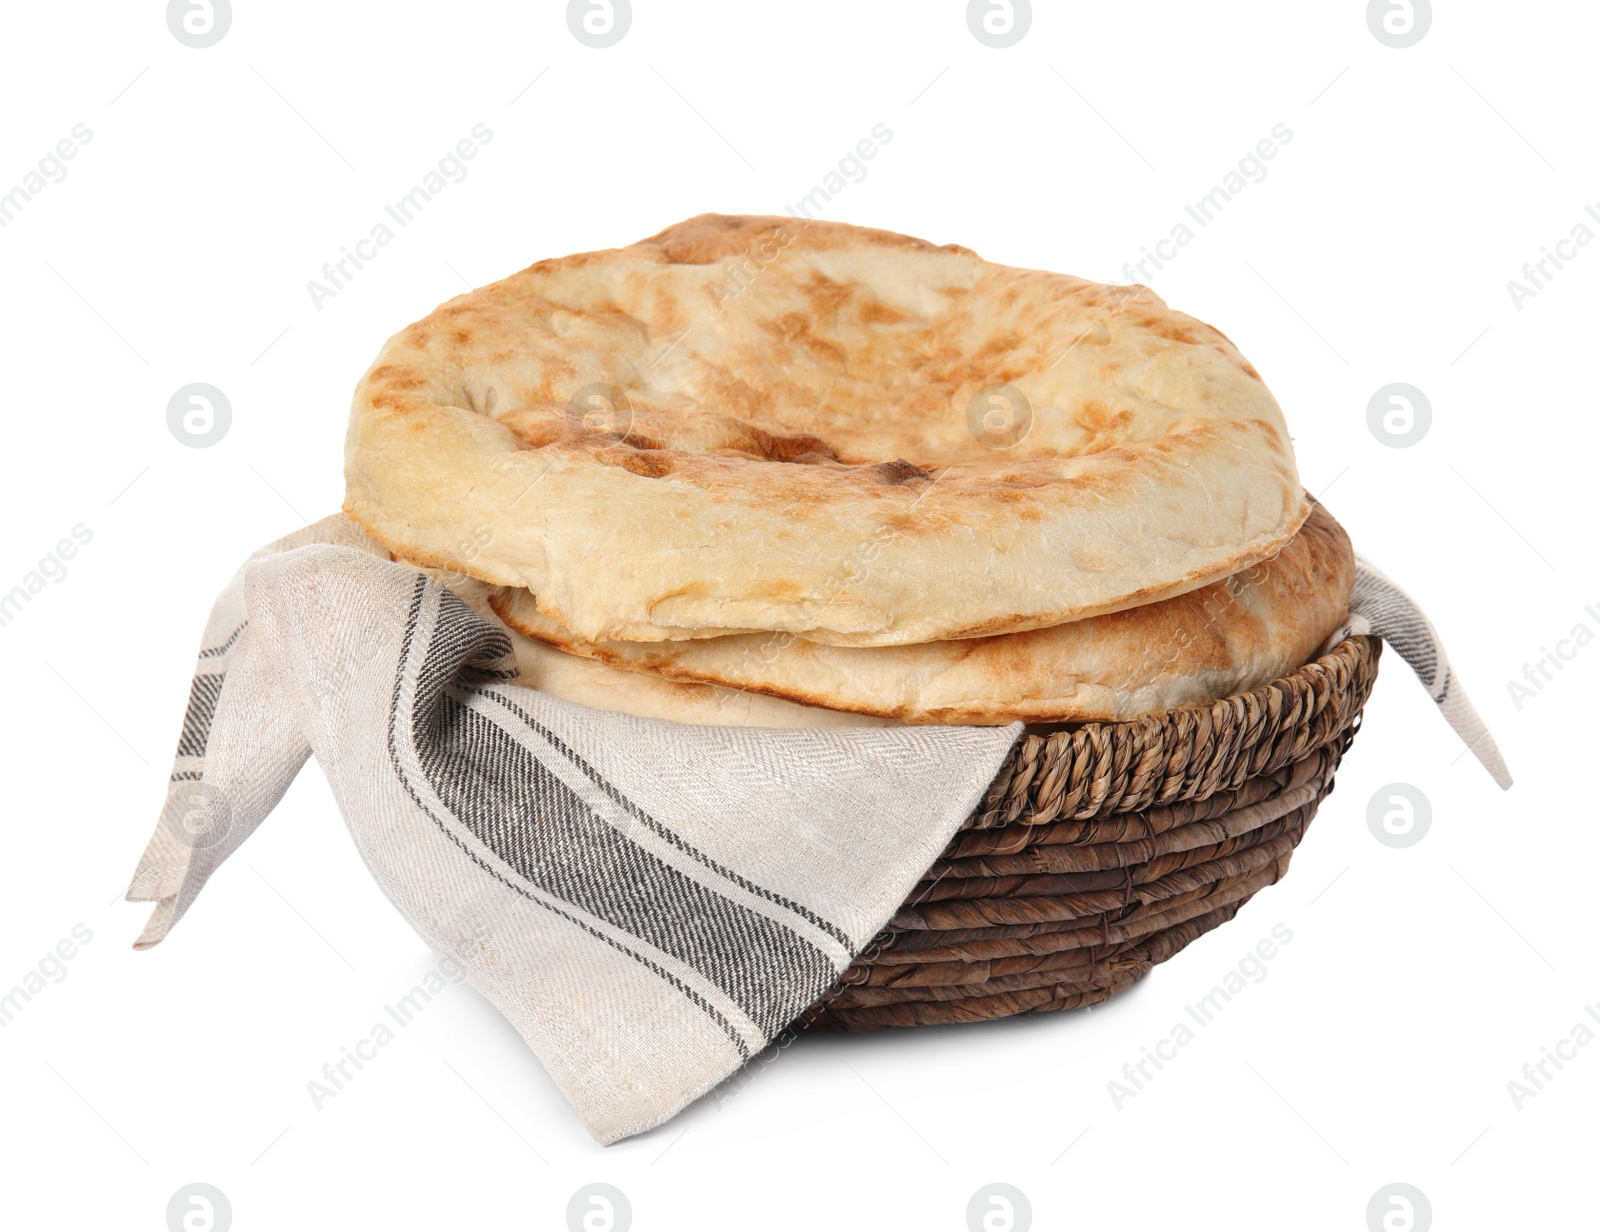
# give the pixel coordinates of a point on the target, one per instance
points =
(588, 682)
(771, 424)
(1225, 638)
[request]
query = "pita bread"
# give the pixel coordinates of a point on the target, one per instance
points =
(1225, 638)
(769, 424)
(588, 682)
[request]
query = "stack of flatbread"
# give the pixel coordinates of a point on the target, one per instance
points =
(773, 472)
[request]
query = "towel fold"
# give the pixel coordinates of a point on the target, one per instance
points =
(1379, 608)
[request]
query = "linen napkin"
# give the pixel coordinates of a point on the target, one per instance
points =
(1379, 608)
(648, 903)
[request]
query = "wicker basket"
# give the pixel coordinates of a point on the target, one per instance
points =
(1103, 849)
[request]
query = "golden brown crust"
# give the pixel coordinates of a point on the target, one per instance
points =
(760, 423)
(1221, 639)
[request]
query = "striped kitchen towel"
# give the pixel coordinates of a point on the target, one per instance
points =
(648, 903)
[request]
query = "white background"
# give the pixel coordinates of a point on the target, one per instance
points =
(1378, 249)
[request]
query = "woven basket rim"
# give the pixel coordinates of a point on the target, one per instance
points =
(1183, 753)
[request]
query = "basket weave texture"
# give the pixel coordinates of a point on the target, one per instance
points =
(1105, 848)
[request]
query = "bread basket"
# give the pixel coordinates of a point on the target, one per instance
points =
(1103, 849)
